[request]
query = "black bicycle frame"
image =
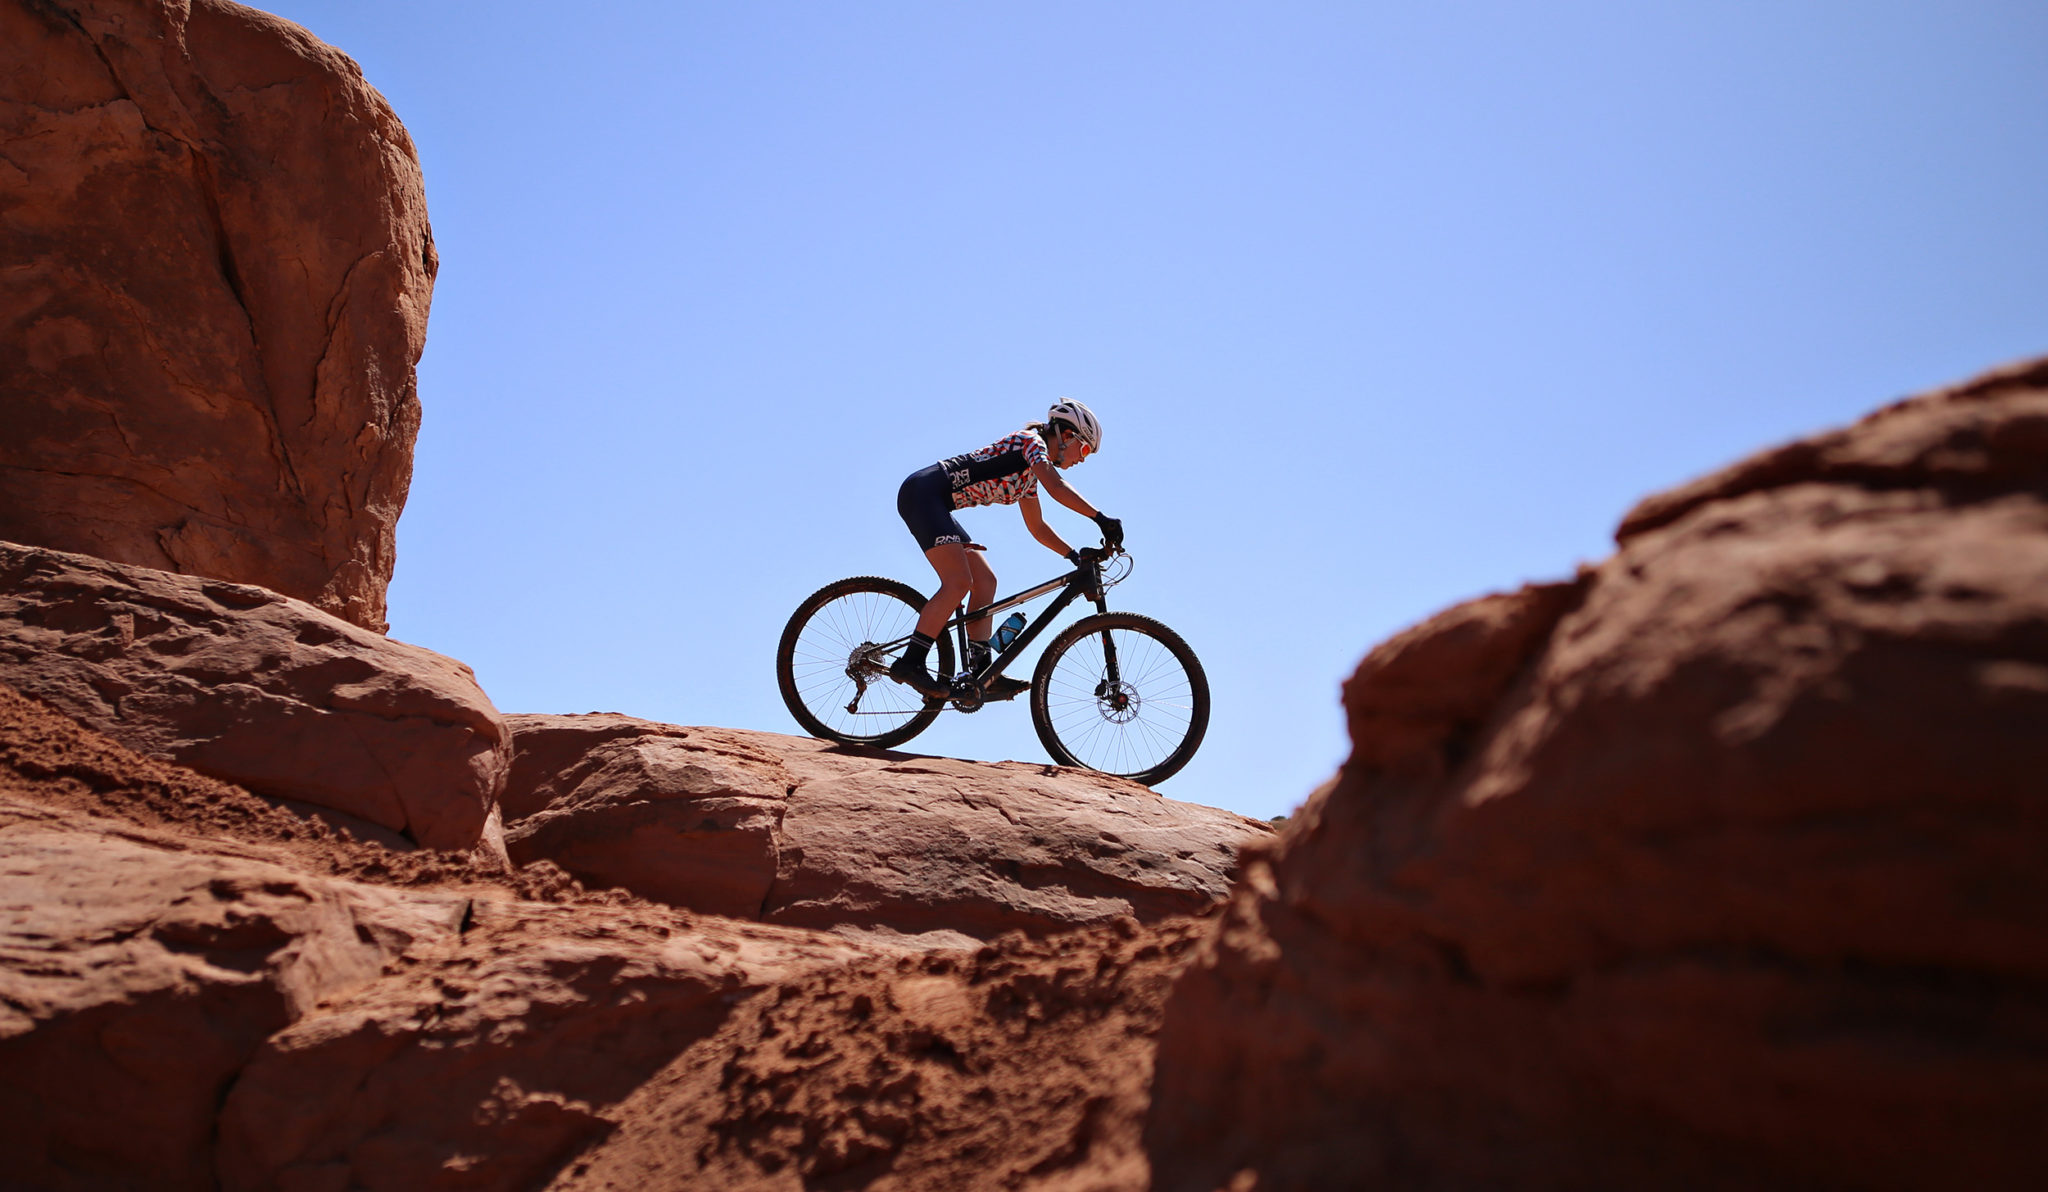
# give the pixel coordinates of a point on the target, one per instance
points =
(1077, 583)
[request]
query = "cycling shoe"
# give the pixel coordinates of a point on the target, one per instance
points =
(912, 674)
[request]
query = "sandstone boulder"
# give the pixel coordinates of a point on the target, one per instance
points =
(797, 831)
(925, 844)
(257, 689)
(1024, 1064)
(684, 816)
(190, 995)
(1716, 867)
(218, 271)
(553, 755)
(492, 1055)
(138, 977)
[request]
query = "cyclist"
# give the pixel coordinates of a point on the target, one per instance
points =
(1009, 471)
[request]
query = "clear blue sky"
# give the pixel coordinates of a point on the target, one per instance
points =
(1384, 305)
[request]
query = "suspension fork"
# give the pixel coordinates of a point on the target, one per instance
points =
(1111, 678)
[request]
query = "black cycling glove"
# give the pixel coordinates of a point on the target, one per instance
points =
(1112, 529)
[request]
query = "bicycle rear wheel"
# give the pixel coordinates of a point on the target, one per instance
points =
(1122, 694)
(833, 670)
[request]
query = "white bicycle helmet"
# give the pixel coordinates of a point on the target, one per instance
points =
(1078, 416)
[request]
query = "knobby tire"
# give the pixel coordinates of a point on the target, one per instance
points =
(812, 659)
(1165, 692)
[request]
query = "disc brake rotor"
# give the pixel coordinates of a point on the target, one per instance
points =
(1118, 701)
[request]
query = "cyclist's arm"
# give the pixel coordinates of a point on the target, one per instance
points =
(1034, 521)
(1050, 481)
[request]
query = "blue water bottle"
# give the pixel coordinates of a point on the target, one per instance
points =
(1007, 632)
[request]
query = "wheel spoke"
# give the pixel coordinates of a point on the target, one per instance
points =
(822, 647)
(1143, 724)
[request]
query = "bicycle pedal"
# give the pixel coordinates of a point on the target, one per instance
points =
(1004, 687)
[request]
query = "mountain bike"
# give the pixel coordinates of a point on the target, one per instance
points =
(1114, 692)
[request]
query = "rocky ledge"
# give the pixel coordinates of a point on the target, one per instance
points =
(200, 988)
(1714, 866)
(801, 832)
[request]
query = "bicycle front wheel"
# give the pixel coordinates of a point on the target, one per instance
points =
(1122, 694)
(833, 663)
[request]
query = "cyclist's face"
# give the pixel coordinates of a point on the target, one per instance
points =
(1073, 449)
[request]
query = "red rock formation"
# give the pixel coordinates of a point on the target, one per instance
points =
(217, 268)
(250, 687)
(198, 989)
(155, 928)
(1719, 867)
(796, 831)
(683, 816)
(136, 981)
(1716, 866)
(553, 755)
(493, 1053)
(1025, 1064)
(166, 941)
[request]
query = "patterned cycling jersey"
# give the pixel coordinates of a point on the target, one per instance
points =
(998, 474)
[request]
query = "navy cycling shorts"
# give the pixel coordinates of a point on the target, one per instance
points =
(925, 503)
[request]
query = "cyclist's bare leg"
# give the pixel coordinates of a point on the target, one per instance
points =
(981, 591)
(963, 572)
(956, 580)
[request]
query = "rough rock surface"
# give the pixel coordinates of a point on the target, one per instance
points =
(155, 927)
(217, 268)
(256, 689)
(136, 981)
(488, 1056)
(188, 994)
(1718, 866)
(683, 816)
(797, 831)
(199, 989)
(1024, 1065)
